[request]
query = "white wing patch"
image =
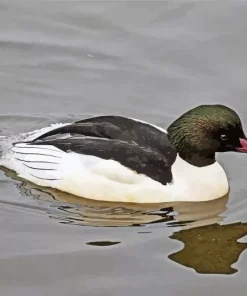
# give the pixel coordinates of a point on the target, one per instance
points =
(38, 162)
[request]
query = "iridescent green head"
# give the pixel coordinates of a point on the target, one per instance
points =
(201, 132)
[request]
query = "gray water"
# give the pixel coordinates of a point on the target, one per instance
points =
(64, 60)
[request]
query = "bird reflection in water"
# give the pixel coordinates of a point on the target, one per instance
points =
(209, 247)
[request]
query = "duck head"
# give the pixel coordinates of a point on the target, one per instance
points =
(201, 132)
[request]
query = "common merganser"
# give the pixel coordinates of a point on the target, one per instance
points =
(119, 159)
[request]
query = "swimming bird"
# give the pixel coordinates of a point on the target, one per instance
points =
(120, 159)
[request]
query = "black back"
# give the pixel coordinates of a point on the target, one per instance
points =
(136, 145)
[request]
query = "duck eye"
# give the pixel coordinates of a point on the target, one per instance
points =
(223, 137)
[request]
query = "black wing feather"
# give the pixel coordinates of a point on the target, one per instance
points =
(136, 145)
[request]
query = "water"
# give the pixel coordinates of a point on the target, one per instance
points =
(62, 61)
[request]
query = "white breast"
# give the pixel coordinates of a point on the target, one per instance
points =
(191, 183)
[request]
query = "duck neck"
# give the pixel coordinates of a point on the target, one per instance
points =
(197, 159)
(189, 148)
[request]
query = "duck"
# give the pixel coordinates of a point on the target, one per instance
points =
(119, 159)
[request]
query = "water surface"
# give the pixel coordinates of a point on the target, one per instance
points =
(64, 60)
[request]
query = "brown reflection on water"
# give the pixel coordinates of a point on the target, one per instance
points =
(80, 211)
(209, 248)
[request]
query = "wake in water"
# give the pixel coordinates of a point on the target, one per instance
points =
(6, 142)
